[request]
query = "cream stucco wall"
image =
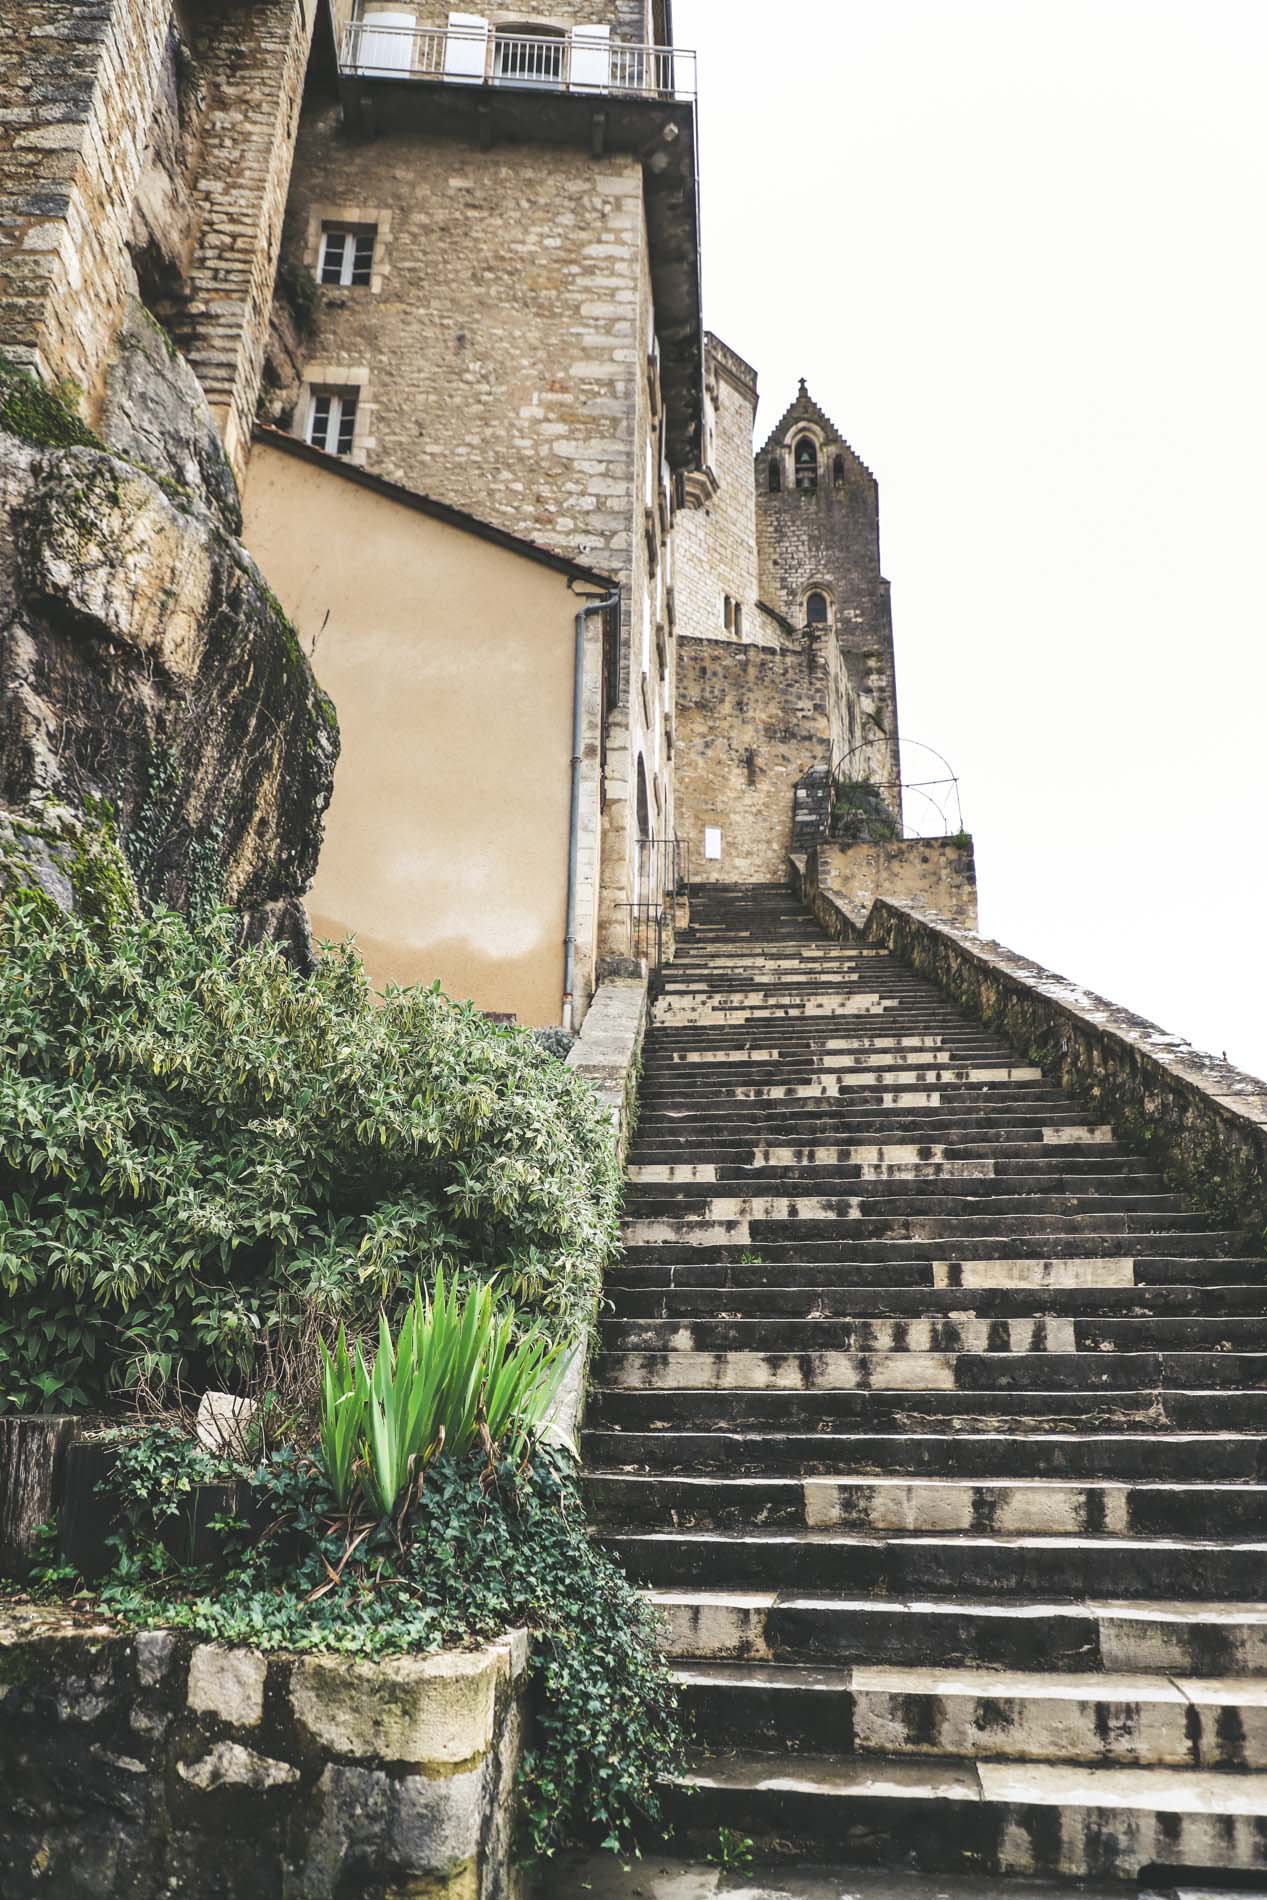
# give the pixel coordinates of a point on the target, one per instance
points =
(450, 661)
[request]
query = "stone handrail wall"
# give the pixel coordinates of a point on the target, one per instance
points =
(1202, 1120)
(140, 1765)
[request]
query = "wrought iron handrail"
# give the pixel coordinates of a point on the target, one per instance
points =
(662, 871)
(476, 56)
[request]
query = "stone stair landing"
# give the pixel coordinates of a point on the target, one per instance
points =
(935, 1425)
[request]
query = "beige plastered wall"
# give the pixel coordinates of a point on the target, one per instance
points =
(450, 661)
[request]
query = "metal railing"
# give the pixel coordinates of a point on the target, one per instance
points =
(483, 56)
(661, 875)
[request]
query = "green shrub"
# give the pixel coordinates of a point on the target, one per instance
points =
(481, 1549)
(208, 1161)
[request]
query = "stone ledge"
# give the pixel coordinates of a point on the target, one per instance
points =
(206, 1769)
(1202, 1120)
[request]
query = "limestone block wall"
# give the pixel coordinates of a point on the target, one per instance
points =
(251, 62)
(717, 530)
(938, 874)
(752, 720)
(138, 1766)
(505, 365)
(79, 82)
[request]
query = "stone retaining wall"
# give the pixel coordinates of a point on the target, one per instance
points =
(151, 1764)
(1203, 1121)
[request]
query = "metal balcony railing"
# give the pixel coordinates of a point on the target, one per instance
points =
(483, 56)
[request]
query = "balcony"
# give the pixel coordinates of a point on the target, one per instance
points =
(586, 61)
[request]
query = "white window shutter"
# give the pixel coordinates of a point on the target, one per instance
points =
(591, 58)
(466, 47)
(387, 41)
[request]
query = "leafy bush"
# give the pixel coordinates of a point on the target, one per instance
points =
(208, 1161)
(455, 1377)
(860, 813)
(483, 1548)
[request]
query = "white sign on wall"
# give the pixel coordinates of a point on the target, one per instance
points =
(712, 841)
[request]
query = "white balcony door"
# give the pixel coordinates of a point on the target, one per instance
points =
(591, 58)
(466, 48)
(387, 41)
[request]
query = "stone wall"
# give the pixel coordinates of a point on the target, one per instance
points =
(752, 720)
(1202, 1121)
(133, 1767)
(936, 873)
(716, 552)
(79, 80)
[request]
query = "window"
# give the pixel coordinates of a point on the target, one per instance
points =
(838, 472)
(776, 475)
(332, 420)
(818, 610)
(347, 257)
(738, 621)
(644, 803)
(528, 56)
(728, 613)
(806, 462)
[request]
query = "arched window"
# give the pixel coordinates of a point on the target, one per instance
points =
(776, 475)
(838, 472)
(806, 460)
(818, 610)
(644, 803)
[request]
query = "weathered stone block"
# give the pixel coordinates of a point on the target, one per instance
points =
(434, 1710)
(227, 1684)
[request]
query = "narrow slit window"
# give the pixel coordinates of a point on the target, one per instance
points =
(838, 472)
(728, 612)
(347, 258)
(776, 476)
(332, 421)
(738, 621)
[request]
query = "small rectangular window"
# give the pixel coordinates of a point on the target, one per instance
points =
(347, 257)
(728, 612)
(332, 421)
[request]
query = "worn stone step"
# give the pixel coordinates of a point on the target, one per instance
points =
(990, 1259)
(1199, 1304)
(1004, 1818)
(1211, 1457)
(1005, 1507)
(898, 1565)
(1016, 1631)
(1137, 1720)
(1052, 1371)
(815, 1409)
(951, 1333)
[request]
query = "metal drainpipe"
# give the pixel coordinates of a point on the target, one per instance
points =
(597, 606)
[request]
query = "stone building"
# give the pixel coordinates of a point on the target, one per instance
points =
(499, 217)
(785, 669)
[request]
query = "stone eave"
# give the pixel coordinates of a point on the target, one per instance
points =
(660, 133)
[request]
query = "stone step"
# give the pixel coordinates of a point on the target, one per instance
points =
(1017, 1631)
(950, 1334)
(718, 1203)
(1005, 1507)
(1165, 1454)
(1053, 1371)
(1138, 1720)
(814, 1410)
(953, 1565)
(1056, 1255)
(860, 1268)
(756, 1304)
(1059, 1171)
(1004, 1818)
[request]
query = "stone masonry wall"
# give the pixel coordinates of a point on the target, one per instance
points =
(751, 721)
(937, 873)
(134, 1767)
(79, 80)
(251, 61)
(717, 531)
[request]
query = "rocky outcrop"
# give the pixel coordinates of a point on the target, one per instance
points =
(144, 660)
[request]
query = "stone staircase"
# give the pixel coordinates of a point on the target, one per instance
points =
(937, 1428)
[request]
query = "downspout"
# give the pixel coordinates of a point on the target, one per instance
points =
(595, 606)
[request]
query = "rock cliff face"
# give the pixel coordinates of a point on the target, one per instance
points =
(143, 659)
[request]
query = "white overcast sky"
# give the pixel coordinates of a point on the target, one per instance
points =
(1017, 248)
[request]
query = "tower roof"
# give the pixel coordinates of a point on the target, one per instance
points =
(805, 409)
